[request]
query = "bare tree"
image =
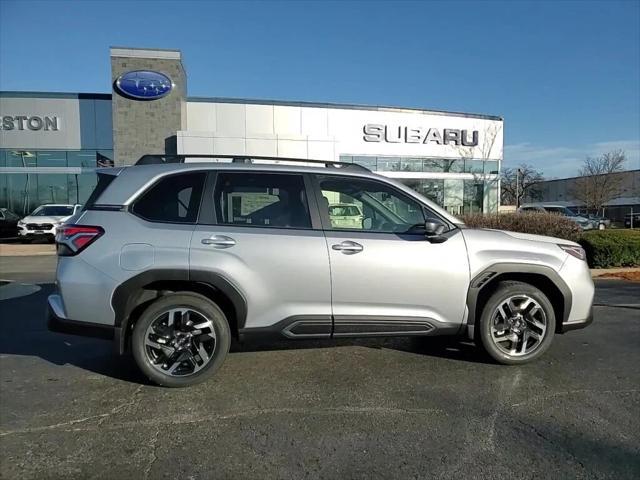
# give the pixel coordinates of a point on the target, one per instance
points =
(599, 180)
(521, 182)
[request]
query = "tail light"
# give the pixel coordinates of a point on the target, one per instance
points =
(72, 239)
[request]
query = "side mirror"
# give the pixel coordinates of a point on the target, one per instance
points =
(433, 227)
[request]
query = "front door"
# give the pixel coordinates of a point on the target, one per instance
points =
(256, 232)
(385, 279)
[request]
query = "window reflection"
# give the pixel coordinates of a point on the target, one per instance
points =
(22, 192)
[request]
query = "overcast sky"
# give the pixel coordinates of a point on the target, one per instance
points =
(564, 75)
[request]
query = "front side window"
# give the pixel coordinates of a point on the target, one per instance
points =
(380, 208)
(174, 199)
(262, 200)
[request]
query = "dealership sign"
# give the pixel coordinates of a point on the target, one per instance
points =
(30, 122)
(374, 132)
(144, 85)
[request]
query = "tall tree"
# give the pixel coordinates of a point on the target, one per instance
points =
(599, 180)
(518, 183)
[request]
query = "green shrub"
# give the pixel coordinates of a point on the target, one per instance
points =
(612, 248)
(538, 223)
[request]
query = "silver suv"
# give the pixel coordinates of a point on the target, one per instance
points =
(171, 259)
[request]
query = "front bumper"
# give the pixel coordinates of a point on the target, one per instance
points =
(57, 322)
(25, 232)
(577, 324)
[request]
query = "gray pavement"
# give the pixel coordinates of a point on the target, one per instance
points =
(396, 408)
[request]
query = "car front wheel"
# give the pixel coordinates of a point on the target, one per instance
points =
(517, 323)
(181, 339)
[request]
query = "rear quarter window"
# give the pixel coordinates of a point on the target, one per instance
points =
(173, 199)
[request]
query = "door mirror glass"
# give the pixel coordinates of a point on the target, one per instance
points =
(433, 227)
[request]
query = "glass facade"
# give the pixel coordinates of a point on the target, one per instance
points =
(473, 187)
(35, 177)
(414, 164)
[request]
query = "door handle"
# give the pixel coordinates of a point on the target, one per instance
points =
(348, 247)
(219, 241)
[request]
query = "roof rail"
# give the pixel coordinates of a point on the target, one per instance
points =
(155, 159)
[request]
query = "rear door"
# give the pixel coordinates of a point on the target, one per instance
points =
(260, 231)
(384, 278)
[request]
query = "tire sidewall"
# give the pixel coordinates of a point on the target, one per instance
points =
(502, 293)
(195, 302)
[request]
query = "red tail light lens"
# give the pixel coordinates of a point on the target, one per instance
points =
(72, 239)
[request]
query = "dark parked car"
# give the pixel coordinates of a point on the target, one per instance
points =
(636, 220)
(8, 223)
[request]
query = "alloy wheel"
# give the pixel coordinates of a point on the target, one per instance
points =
(518, 325)
(180, 342)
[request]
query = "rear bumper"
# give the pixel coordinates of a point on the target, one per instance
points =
(57, 322)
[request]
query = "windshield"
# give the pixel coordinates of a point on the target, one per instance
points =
(561, 210)
(53, 211)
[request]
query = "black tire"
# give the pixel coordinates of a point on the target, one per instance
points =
(504, 291)
(198, 303)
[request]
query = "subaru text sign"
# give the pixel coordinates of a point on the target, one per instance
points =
(400, 134)
(144, 84)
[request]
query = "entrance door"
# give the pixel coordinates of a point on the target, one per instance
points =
(384, 278)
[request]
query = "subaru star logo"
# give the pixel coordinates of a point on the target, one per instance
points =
(144, 84)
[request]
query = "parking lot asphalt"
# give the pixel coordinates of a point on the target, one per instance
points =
(394, 408)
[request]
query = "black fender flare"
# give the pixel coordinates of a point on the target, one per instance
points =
(129, 294)
(492, 272)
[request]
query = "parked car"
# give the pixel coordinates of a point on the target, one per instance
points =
(583, 222)
(636, 220)
(603, 223)
(8, 223)
(345, 215)
(44, 220)
(172, 260)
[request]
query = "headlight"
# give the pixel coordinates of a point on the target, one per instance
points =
(574, 251)
(21, 223)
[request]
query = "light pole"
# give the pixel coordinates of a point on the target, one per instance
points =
(517, 188)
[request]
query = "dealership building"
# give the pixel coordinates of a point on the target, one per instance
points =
(52, 143)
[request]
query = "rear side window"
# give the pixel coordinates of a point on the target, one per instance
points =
(262, 199)
(174, 199)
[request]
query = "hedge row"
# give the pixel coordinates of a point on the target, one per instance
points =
(538, 223)
(612, 248)
(604, 248)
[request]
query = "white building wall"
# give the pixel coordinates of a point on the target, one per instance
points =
(325, 133)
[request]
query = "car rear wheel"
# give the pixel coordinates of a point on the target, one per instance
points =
(180, 340)
(517, 323)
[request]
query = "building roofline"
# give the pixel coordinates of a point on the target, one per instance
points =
(350, 106)
(598, 175)
(116, 47)
(91, 96)
(130, 52)
(254, 101)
